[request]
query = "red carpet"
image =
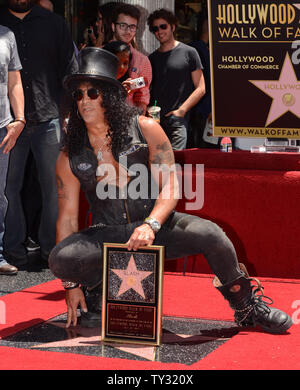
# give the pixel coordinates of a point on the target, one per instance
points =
(189, 296)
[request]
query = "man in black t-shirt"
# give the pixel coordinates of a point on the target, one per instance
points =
(178, 82)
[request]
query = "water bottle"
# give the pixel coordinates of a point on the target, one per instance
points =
(226, 145)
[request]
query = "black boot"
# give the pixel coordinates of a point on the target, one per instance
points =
(250, 308)
(93, 299)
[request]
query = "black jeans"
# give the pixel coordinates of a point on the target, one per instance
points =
(176, 128)
(78, 258)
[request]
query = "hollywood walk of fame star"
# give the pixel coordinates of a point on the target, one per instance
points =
(90, 337)
(87, 337)
(285, 92)
(131, 278)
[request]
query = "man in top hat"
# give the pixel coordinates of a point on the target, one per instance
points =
(107, 146)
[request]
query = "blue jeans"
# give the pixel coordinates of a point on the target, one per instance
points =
(3, 200)
(176, 130)
(43, 139)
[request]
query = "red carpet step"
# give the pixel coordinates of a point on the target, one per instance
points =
(190, 296)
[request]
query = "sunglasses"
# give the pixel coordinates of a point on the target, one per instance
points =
(155, 29)
(92, 93)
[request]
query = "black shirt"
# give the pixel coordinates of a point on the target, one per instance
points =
(172, 80)
(46, 52)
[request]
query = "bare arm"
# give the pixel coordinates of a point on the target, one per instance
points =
(195, 97)
(16, 98)
(68, 190)
(162, 165)
(15, 93)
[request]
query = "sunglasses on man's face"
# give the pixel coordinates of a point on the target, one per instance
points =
(155, 29)
(92, 93)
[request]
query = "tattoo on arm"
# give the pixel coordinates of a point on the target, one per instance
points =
(61, 194)
(163, 155)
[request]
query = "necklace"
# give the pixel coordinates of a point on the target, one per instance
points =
(100, 155)
(99, 150)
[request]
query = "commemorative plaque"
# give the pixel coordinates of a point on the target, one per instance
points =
(132, 294)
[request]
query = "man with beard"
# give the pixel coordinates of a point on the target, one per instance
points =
(47, 54)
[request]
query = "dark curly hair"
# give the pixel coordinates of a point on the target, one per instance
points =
(118, 115)
(162, 14)
(126, 9)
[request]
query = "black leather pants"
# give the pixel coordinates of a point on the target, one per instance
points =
(78, 258)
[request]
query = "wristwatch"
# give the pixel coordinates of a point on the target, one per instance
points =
(153, 223)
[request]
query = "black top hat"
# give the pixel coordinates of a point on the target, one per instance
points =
(95, 64)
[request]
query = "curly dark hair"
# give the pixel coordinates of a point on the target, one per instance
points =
(162, 14)
(118, 115)
(126, 9)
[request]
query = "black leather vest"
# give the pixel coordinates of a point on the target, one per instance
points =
(132, 204)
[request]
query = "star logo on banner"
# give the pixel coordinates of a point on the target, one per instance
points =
(297, 5)
(131, 278)
(285, 92)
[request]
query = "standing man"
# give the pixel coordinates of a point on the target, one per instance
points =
(11, 91)
(125, 22)
(178, 81)
(47, 53)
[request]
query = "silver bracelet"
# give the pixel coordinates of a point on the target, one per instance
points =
(69, 285)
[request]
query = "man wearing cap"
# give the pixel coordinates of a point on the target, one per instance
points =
(108, 146)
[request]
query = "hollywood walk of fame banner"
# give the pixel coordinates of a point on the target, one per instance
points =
(132, 294)
(255, 72)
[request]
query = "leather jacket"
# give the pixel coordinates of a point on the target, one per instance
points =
(123, 208)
